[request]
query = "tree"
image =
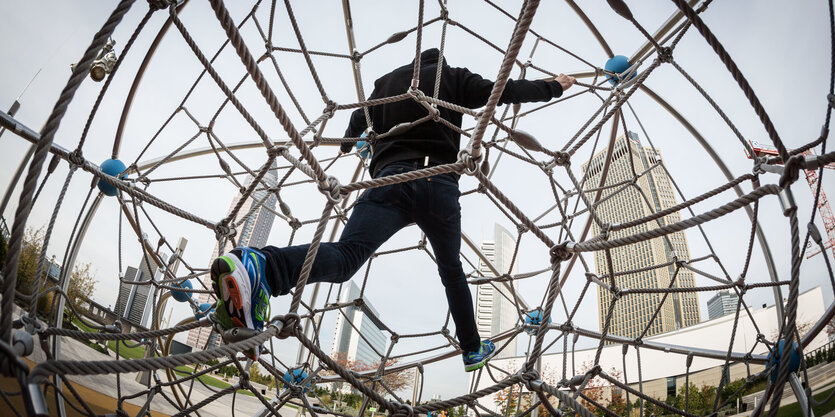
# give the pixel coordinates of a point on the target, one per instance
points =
(81, 287)
(27, 265)
(830, 327)
(602, 392)
(395, 381)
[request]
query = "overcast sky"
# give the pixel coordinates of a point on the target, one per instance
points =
(783, 52)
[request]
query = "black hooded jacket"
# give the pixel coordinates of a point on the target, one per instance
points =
(440, 143)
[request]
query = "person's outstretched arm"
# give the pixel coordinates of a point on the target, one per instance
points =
(356, 127)
(474, 90)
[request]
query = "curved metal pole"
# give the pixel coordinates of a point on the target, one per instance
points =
(769, 259)
(66, 273)
(117, 141)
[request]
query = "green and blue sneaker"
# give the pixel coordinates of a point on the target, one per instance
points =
(240, 284)
(477, 359)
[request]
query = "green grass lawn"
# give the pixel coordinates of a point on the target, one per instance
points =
(792, 410)
(139, 352)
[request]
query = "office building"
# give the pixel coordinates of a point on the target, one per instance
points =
(724, 302)
(496, 311)
(135, 302)
(254, 222)
(358, 336)
(646, 264)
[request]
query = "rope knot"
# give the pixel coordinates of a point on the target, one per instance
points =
(330, 109)
(332, 190)
(665, 54)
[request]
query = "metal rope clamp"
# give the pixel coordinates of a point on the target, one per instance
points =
(290, 324)
(561, 252)
(332, 189)
(531, 379)
(222, 230)
(470, 164)
(159, 4)
(402, 410)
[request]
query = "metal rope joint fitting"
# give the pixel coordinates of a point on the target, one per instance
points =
(290, 325)
(531, 380)
(562, 252)
(665, 54)
(607, 229)
(831, 99)
(562, 159)
(444, 13)
(159, 4)
(277, 150)
(470, 163)
(332, 190)
(787, 201)
(521, 228)
(402, 410)
(791, 171)
(76, 158)
(740, 284)
(223, 230)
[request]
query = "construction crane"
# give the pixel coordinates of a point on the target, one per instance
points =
(761, 149)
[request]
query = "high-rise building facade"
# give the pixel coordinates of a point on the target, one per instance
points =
(254, 221)
(495, 309)
(358, 336)
(723, 303)
(646, 264)
(133, 302)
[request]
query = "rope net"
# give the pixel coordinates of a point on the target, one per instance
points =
(580, 176)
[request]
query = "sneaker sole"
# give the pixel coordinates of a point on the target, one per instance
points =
(221, 271)
(475, 366)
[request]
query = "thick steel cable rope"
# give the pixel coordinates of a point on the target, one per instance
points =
(307, 266)
(42, 256)
(63, 367)
(681, 225)
(263, 86)
(735, 73)
(79, 74)
(789, 327)
(516, 40)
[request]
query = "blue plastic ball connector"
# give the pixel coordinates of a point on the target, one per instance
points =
(618, 64)
(295, 377)
(182, 296)
(205, 308)
(533, 319)
(794, 358)
(112, 167)
(364, 148)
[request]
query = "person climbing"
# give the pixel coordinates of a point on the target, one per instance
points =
(245, 278)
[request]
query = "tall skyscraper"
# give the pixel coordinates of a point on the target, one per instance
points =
(724, 302)
(621, 203)
(133, 302)
(358, 334)
(254, 225)
(495, 309)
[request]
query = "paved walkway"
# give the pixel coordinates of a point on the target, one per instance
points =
(100, 390)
